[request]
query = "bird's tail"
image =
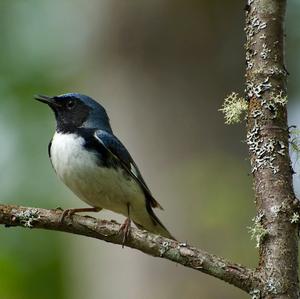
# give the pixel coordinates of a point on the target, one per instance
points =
(153, 224)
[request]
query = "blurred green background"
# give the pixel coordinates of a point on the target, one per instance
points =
(162, 69)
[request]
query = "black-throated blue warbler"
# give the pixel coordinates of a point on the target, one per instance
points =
(96, 166)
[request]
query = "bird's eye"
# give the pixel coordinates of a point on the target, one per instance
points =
(70, 104)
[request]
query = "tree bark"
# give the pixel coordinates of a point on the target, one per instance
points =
(267, 137)
(278, 214)
(151, 244)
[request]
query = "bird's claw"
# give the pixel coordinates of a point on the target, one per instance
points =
(66, 213)
(70, 212)
(125, 228)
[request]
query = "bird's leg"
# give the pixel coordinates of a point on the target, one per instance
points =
(70, 212)
(126, 227)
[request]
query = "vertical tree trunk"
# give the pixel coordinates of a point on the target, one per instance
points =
(266, 87)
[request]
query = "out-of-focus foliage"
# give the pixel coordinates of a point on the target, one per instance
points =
(162, 69)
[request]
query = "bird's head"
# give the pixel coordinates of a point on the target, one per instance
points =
(74, 110)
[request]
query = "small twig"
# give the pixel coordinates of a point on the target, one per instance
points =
(144, 241)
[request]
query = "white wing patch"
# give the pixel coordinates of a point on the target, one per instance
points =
(134, 170)
(99, 139)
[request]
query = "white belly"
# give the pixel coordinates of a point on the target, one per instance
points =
(98, 186)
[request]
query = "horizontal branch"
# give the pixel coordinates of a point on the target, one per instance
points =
(144, 241)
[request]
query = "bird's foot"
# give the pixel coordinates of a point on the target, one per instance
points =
(70, 212)
(125, 228)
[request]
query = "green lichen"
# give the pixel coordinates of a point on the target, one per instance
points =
(295, 218)
(280, 99)
(233, 108)
(257, 89)
(295, 141)
(165, 247)
(255, 294)
(27, 217)
(273, 286)
(257, 231)
(265, 151)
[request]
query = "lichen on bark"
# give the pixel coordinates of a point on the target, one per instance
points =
(267, 138)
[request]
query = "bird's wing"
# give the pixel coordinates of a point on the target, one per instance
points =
(114, 146)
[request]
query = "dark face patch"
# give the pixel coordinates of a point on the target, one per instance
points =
(70, 113)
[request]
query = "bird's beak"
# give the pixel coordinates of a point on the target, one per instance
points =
(47, 100)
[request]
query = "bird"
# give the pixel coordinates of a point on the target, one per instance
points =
(96, 166)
